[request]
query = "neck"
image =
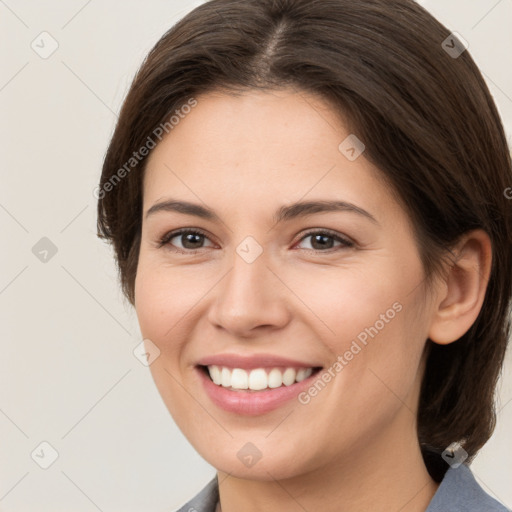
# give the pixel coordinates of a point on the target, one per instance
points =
(387, 474)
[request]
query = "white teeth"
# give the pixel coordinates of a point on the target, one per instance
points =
(225, 378)
(275, 378)
(239, 379)
(289, 376)
(257, 379)
(303, 373)
(215, 374)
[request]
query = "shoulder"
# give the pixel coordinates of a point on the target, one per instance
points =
(205, 501)
(460, 492)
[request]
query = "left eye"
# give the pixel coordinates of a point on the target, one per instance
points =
(192, 240)
(322, 240)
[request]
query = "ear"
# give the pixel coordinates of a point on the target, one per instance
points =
(462, 290)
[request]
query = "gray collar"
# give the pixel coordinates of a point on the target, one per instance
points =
(458, 492)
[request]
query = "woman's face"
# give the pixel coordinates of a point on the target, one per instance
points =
(333, 297)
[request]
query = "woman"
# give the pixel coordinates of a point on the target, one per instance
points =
(306, 202)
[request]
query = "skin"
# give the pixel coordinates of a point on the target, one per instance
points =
(353, 446)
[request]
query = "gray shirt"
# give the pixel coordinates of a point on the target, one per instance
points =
(458, 492)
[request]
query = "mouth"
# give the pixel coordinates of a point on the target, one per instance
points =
(256, 379)
(254, 391)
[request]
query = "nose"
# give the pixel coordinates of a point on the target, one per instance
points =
(250, 299)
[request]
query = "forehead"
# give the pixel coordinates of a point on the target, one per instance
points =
(257, 145)
(231, 127)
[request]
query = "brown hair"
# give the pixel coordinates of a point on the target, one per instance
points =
(428, 122)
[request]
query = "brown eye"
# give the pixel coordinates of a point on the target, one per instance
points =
(190, 240)
(324, 240)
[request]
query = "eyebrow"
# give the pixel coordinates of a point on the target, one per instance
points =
(284, 213)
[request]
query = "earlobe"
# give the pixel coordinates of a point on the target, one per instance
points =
(462, 291)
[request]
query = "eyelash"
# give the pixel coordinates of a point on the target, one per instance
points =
(165, 240)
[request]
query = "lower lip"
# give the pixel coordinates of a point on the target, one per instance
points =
(252, 403)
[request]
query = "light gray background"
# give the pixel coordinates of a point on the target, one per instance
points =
(69, 376)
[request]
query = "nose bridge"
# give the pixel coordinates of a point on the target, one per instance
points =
(249, 278)
(250, 295)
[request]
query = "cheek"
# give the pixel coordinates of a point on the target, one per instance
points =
(348, 300)
(163, 297)
(161, 304)
(373, 319)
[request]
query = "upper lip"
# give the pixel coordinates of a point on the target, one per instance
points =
(253, 361)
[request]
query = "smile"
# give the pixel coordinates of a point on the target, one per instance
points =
(257, 379)
(253, 385)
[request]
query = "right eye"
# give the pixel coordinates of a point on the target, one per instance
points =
(190, 239)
